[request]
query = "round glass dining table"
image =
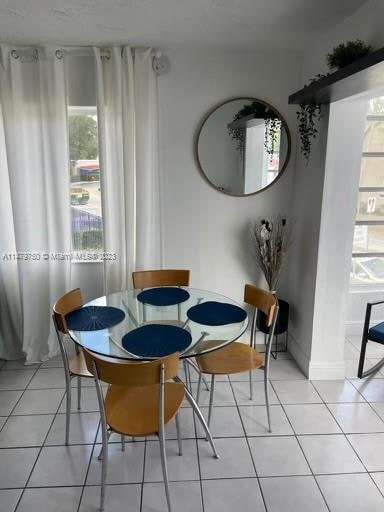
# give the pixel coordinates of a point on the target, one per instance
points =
(204, 338)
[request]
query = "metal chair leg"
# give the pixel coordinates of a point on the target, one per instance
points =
(179, 441)
(67, 408)
(266, 389)
(250, 385)
(198, 388)
(104, 462)
(211, 399)
(360, 370)
(123, 443)
(201, 418)
(78, 393)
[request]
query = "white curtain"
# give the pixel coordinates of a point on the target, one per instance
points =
(128, 147)
(35, 217)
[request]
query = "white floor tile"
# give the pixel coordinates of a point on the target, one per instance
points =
(242, 494)
(332, 391)
(39, 401)
(223, 394)
(296, 392)
(19, 364)
(185, 496)
(82, 430)
(15, 379)
(371, 389)
(285, 370)
(225, 422)
(258, 375)
(187, 426)
(379, 480)
(350, 351)
(48, 378)
(370, 449)
(54, 362)
(8, 400)
(256, 424)
(356, 418)
(278, 456)
(379, 408)
(61, 466)
(16, 465)
(330, 454)
(25, 431)
(9, 499)
(123, 467)
(117, 498)
(58, 499)
(180, 467)
(311, 419)
(242, 393)
(89, 401)
(292, 494)
(3, 419)
(351, 366)
(351, 492)
(235, 459)
(373, 350)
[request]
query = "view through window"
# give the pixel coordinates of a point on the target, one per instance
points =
(368, 243)
(87, 225)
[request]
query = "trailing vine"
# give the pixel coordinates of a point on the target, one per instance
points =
(272, 126)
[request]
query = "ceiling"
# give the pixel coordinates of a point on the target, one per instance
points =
(166, 23)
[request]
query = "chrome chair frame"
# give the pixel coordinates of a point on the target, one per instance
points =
(265, 367)
(365, 338)
(68, 379)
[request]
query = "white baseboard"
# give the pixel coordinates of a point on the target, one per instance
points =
(327, 370)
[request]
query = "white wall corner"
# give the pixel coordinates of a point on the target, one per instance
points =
(302, 359)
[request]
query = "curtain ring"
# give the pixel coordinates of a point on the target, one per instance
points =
(107, 53)
(59, 54)
(14, 54)
(35, 54)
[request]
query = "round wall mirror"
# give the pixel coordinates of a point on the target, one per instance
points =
(243, 145)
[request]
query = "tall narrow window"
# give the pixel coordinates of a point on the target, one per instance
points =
(85, 192)
(368, 243)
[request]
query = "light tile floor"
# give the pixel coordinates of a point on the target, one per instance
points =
(326, 452)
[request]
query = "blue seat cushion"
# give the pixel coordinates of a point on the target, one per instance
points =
(376, 333)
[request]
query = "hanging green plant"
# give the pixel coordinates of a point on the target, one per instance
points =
(258, 111)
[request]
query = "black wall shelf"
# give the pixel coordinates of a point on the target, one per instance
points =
(362, 75)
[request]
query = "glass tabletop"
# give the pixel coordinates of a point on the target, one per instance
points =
(204, 338)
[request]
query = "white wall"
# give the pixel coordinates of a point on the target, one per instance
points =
(205, 230)
(309, 273)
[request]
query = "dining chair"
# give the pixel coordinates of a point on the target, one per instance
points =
(150, 278)
(139, 402)
(169, 277)
(374, 333)
(239, 357)
(73, 366)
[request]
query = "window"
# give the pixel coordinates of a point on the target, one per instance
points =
(368, 242)
(85, 193)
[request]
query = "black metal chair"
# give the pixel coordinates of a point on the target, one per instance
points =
(374, 333)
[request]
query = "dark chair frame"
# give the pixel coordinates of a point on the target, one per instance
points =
(361, 373)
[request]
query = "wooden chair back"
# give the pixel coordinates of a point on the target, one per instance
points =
(261, 299)
(66, 304)
(133, 374)
(150, 278)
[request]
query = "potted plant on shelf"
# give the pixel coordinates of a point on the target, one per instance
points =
(271, 239)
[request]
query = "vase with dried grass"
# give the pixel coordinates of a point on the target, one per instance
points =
(271, 239)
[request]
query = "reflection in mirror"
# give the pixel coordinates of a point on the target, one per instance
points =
(242, 146)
